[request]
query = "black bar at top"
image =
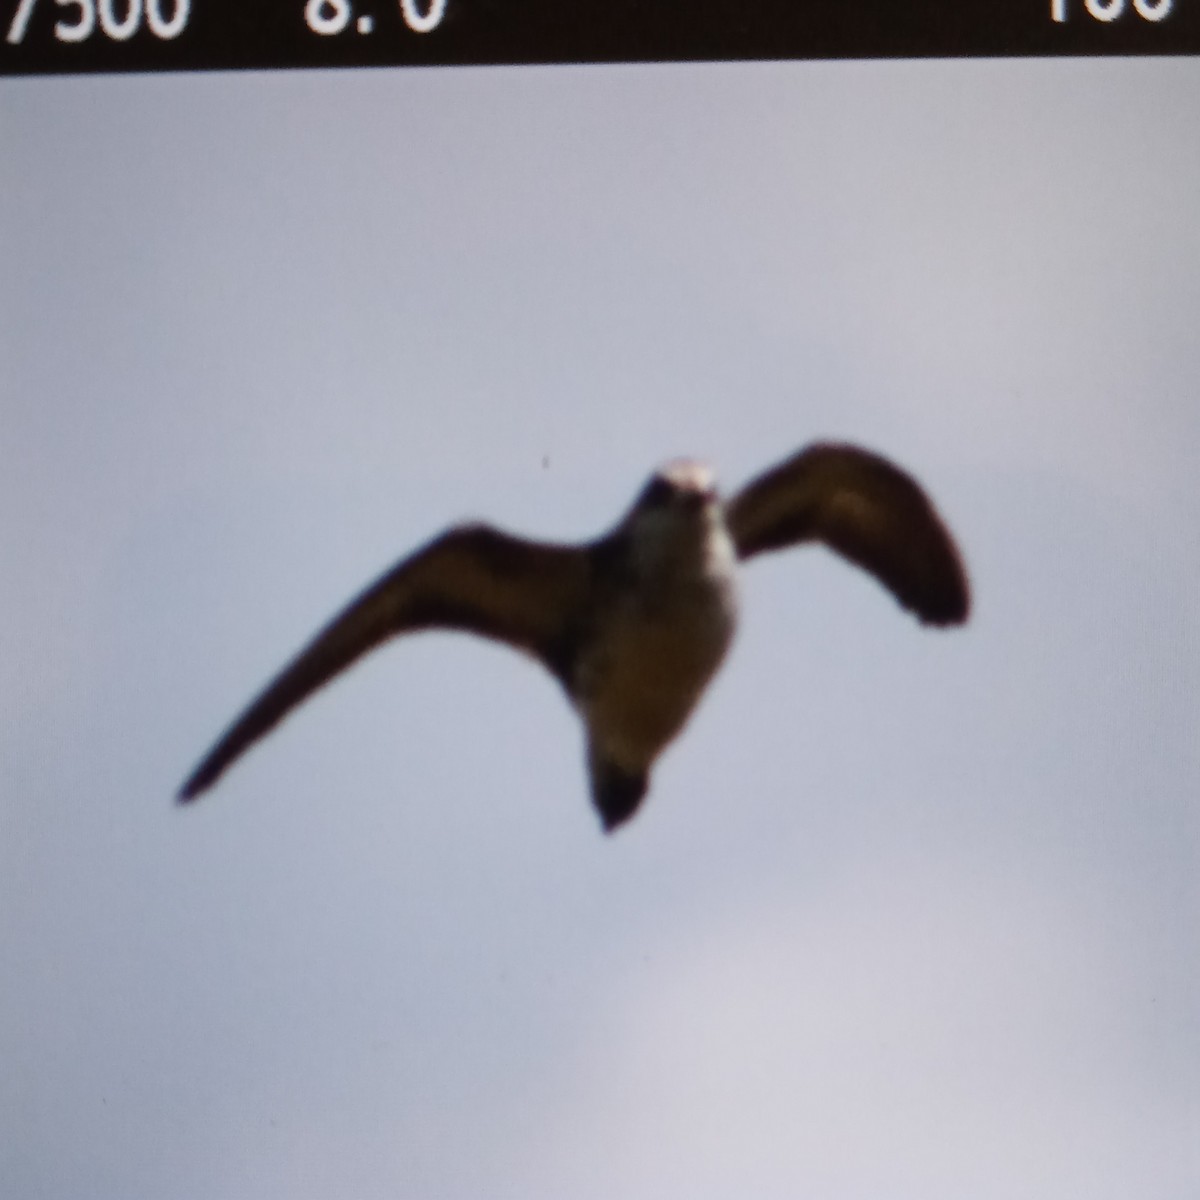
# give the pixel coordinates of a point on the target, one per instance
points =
(265, 34)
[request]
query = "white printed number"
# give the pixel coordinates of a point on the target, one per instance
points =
(119, 19)
(1110, 10)
(328, 17)
(422, 23)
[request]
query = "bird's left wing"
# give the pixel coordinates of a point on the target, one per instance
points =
(472, 578)
(869, 511)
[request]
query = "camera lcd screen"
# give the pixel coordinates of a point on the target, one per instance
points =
(908, 907)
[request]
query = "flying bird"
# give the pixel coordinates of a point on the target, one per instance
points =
(634, 624)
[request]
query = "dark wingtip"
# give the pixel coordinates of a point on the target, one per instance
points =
(199, 782)
(949, 608)
(952, 604)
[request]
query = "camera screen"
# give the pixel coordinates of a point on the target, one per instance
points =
(658, 550)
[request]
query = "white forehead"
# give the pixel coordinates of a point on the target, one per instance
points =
(688, 475)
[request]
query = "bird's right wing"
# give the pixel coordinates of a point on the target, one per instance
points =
(869, 511)
(472, 578)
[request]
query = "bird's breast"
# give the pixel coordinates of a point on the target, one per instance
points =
(652, 656)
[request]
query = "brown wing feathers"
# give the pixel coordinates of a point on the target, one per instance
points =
(866, 509)
(473, 578)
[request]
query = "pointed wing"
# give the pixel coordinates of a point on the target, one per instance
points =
(866, 509)
(472, 578)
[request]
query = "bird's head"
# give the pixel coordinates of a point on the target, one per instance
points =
(676, 514)
(682, 486)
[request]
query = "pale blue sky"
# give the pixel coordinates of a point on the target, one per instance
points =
(907, 914)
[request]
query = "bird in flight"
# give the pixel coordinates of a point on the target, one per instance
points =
(634, 624)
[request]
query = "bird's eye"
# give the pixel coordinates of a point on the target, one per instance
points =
(659, 493)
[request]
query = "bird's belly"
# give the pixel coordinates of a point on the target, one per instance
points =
(648, 675)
